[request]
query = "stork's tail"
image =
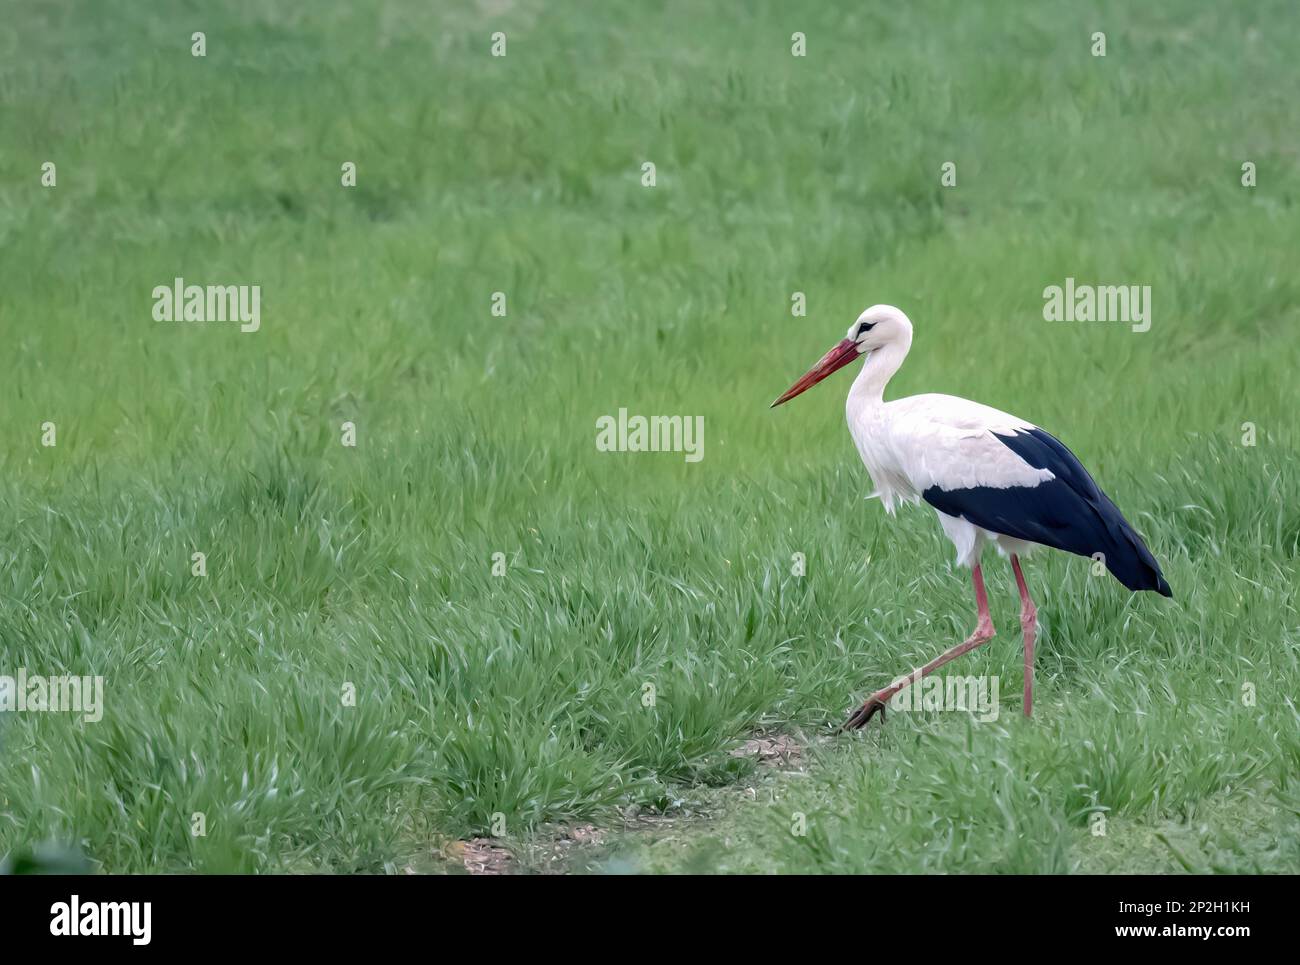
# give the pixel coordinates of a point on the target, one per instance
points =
(1128, 558)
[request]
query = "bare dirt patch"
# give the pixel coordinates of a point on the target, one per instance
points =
(480, 856)
(560, 849)
(773, 750)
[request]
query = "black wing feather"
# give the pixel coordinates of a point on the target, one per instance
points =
(1068, 513)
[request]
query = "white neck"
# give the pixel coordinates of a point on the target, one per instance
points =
(869, 387)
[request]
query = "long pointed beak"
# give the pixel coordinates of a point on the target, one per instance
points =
(834, 360)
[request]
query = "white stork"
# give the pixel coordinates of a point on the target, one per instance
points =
(991, 477)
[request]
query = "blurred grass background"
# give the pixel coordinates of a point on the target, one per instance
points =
(521, 694)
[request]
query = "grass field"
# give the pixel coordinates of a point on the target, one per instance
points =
(513, 703)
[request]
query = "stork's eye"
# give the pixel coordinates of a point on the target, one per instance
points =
(863, 328)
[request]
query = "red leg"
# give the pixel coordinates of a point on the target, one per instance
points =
(984, 632)
(1029, 625)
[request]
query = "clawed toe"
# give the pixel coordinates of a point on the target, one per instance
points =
(863, 714)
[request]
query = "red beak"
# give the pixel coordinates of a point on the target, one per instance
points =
(834, 360)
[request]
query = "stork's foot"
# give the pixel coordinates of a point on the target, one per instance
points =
(863, 714)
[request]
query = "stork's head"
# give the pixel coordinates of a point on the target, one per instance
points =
(878, 326)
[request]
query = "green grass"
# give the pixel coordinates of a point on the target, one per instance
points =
(521, 694)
